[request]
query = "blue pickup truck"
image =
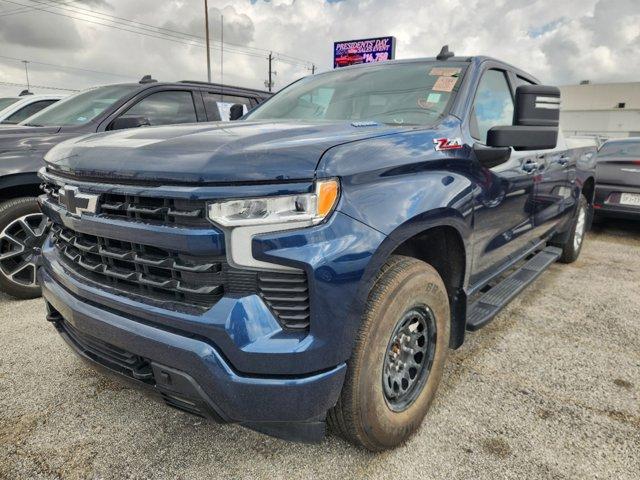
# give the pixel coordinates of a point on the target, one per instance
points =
(312, 263)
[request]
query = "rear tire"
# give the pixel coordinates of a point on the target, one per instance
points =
(571, 249)
(23, 229)
(398, 359)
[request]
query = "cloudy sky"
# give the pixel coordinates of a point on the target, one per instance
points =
(559, 41)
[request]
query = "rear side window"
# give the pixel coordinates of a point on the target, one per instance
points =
(218, 106)
(27, 111)
(620, 149)
(5, 102)
(493, 104)
(165, 108)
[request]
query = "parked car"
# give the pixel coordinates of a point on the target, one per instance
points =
(14, 110)
(618, 179)
(112, 107)
(316, 260)
(352, 57)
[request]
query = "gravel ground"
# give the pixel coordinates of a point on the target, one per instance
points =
(550, 389)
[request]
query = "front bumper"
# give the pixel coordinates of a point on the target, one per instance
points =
(189, 373)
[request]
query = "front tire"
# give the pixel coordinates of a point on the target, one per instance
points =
(398, 359)
(23, 229)
(571, 249)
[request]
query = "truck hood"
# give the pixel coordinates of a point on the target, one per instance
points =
(208, 153)
(19, 139)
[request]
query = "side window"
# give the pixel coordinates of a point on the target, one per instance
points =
(218, 106)
(165, 108)
(493, 104)
(27, 111)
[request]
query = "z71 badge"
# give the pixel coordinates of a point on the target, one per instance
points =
(447, 143)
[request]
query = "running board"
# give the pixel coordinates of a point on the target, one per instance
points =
(482, 311)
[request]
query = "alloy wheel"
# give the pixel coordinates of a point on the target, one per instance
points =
(20, 244)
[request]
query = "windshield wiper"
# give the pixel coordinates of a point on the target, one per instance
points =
(32, 125)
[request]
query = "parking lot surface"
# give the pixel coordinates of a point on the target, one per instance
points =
(550, 389)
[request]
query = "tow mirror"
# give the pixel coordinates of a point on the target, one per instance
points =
(236, 111)
(536, 120)
(122, 123)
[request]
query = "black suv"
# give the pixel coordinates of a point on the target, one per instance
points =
(111, 107)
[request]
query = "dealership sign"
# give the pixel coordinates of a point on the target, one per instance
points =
(368, 50)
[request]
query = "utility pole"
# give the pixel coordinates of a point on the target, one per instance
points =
(206, 26)
(270, 82)
(26, 71)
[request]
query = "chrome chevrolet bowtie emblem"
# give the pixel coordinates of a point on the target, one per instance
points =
(76, 202)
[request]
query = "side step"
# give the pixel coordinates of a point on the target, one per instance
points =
(482, 311)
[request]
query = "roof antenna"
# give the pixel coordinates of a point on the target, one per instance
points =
(24, 93)
(147, 79)
(445, 53)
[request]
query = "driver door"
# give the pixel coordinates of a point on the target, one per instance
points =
(503, 207)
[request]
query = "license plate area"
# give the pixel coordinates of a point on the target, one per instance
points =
(632, 199)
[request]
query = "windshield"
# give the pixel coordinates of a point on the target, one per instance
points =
(5, 102)
(415, 93)
(80, 108)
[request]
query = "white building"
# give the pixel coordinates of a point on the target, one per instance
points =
(605, 110)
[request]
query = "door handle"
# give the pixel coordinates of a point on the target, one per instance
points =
(530, 167)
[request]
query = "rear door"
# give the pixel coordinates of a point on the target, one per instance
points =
(503, 210)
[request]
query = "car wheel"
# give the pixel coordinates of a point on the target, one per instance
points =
(397, 362)
(23, 229)
(571, 249)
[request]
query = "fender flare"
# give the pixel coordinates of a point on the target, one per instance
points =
(18, 180)
(443, 217)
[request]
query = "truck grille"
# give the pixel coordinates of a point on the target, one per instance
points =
(142, 269)
(177, 280)
(165, 211)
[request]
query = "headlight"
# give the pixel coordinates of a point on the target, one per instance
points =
(309, 208)
(243, 219)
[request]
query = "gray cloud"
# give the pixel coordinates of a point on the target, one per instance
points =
(40, 30)
(559, 42)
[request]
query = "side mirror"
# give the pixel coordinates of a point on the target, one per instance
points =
(121, 123)
(536, 120)
(236, 111)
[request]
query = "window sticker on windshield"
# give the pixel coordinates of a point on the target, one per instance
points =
(445, 71)
(434, 97)
(444, 84)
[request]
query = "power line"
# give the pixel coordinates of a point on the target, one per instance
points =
(65, 67)
(26, 9)
(263, 50)
(154, 31)
(192, 43)
(15, 84)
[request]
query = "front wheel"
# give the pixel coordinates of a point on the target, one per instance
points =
(397, 362)
(571, 249)
(23, 229)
